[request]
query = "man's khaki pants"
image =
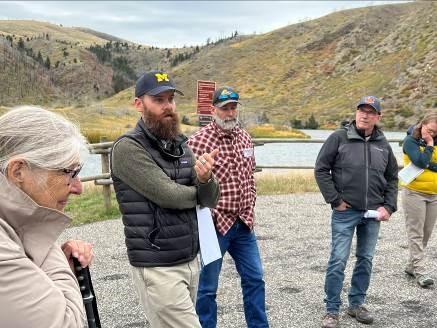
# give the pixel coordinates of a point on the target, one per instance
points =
(168, 294)
(420, 217)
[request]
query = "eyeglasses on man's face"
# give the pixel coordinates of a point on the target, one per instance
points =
(367, 111)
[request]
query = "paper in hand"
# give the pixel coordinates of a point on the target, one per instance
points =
(372, 214)
(409, 173)
(209, 246)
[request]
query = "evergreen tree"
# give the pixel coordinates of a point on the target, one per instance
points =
(9, 38)
(20, 44)
(39, 58)
(297, 124)
(312, 123)
(47, 62)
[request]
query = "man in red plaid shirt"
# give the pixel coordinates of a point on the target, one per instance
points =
(234, 214)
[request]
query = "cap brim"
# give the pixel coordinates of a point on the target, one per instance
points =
(223, 103)
(361, 104)
(161, 89)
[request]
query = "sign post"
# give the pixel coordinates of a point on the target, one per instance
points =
(205, 91)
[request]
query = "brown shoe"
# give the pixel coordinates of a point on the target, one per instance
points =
(330, 320)
(361, 314)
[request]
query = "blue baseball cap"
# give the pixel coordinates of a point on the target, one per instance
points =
(371, 101)
(223, 96)
(153, 83)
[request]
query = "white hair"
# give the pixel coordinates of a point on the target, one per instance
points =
(41, 138)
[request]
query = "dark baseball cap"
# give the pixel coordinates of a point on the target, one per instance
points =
(371, 101)
(223, 96)
(153, 83)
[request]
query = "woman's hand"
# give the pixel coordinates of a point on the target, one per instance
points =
(427, 137)
(79, 249)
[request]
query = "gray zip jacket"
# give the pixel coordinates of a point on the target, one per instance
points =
(362, 173)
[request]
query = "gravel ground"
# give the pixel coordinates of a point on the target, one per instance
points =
(294, 235)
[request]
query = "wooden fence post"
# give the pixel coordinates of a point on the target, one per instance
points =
(105, 169)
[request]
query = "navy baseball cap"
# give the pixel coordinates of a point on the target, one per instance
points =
(223, 96)
(153, 83)
(371, 101)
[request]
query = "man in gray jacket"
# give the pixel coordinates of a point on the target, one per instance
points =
(356, 171)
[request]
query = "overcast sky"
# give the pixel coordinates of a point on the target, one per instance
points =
(175, 23)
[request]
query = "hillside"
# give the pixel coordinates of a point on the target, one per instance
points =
(44, 63)
(318, 67)
(323, 66)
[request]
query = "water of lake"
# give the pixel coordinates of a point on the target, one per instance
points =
(299, 154)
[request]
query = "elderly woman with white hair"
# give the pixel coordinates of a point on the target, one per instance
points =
(40, 157)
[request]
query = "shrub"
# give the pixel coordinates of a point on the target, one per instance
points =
(274, 131)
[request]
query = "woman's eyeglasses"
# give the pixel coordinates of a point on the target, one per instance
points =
(72, 173)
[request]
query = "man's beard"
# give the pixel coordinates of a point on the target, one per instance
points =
(164, 126)
(227, 124)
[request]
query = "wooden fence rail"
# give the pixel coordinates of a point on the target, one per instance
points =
(104, 148)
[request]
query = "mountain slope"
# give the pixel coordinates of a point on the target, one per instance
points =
(318, 67)
(323, 66)
(82, 65)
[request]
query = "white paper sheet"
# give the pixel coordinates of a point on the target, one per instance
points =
(209, 246)
(409, 173)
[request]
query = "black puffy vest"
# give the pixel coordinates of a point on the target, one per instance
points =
(158, 236)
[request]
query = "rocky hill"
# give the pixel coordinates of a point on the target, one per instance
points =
(318, 67)
(44, 63)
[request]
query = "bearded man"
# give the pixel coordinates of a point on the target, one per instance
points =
(234, 214)
(158, 184)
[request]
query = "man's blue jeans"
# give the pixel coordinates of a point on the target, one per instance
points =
(343, 225)
(241, 244)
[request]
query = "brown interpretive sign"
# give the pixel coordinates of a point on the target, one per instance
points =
(205, 90)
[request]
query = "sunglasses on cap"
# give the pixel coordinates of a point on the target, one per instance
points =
(228, 96)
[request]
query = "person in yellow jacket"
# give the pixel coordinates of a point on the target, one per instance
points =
(420, 196)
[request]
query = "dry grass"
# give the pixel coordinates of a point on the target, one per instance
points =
(278, 182)
(88, 207)
(29, 28)
(275, 131)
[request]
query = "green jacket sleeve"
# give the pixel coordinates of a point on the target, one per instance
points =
(420, 158)
(134, 166)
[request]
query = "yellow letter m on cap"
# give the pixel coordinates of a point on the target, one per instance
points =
(161, 77)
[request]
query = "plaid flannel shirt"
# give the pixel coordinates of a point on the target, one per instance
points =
(234, 167)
